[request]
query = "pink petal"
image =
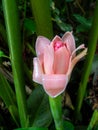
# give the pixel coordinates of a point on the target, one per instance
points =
(68, 39)
(61, 60)
(37, 71)
(48, 59)
(41, 42)
(54, 85)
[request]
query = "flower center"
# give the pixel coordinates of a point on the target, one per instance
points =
(58, 45)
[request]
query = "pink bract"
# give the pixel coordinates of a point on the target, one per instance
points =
(55, 61)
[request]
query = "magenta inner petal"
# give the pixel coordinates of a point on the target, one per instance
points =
(56, 39)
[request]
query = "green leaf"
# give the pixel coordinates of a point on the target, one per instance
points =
(68, 0)
(30, 25)
(82, 20)
(81, 128)
(94, 120)
(95, 69)
(38, 106)
(81, 28)
(54, 9)
(68, 125)
(95, 127)
(14, 113)
(8, 96)
(63, 26)
(6, 92)
(1, 53)
(94, 64)
(32, 128)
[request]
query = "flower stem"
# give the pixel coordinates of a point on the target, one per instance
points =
(88, 63)
(56, 109)
(14, 40)
(42, 15)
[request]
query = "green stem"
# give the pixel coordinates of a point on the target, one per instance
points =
(15, 47)
(42, 15)
(93, 121)
(56, 109)
(88, 63)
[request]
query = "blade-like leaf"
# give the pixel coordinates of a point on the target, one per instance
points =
(14, 113)
(94, 69)
(32, 128)
(63, 26)
(81, 127)
(6, 92)
(68, 125)
(38, 107)
(1, 53)
(82, 20)
(8, 96)
(94, 64)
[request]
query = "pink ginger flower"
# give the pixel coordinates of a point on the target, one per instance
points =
(55, 61)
